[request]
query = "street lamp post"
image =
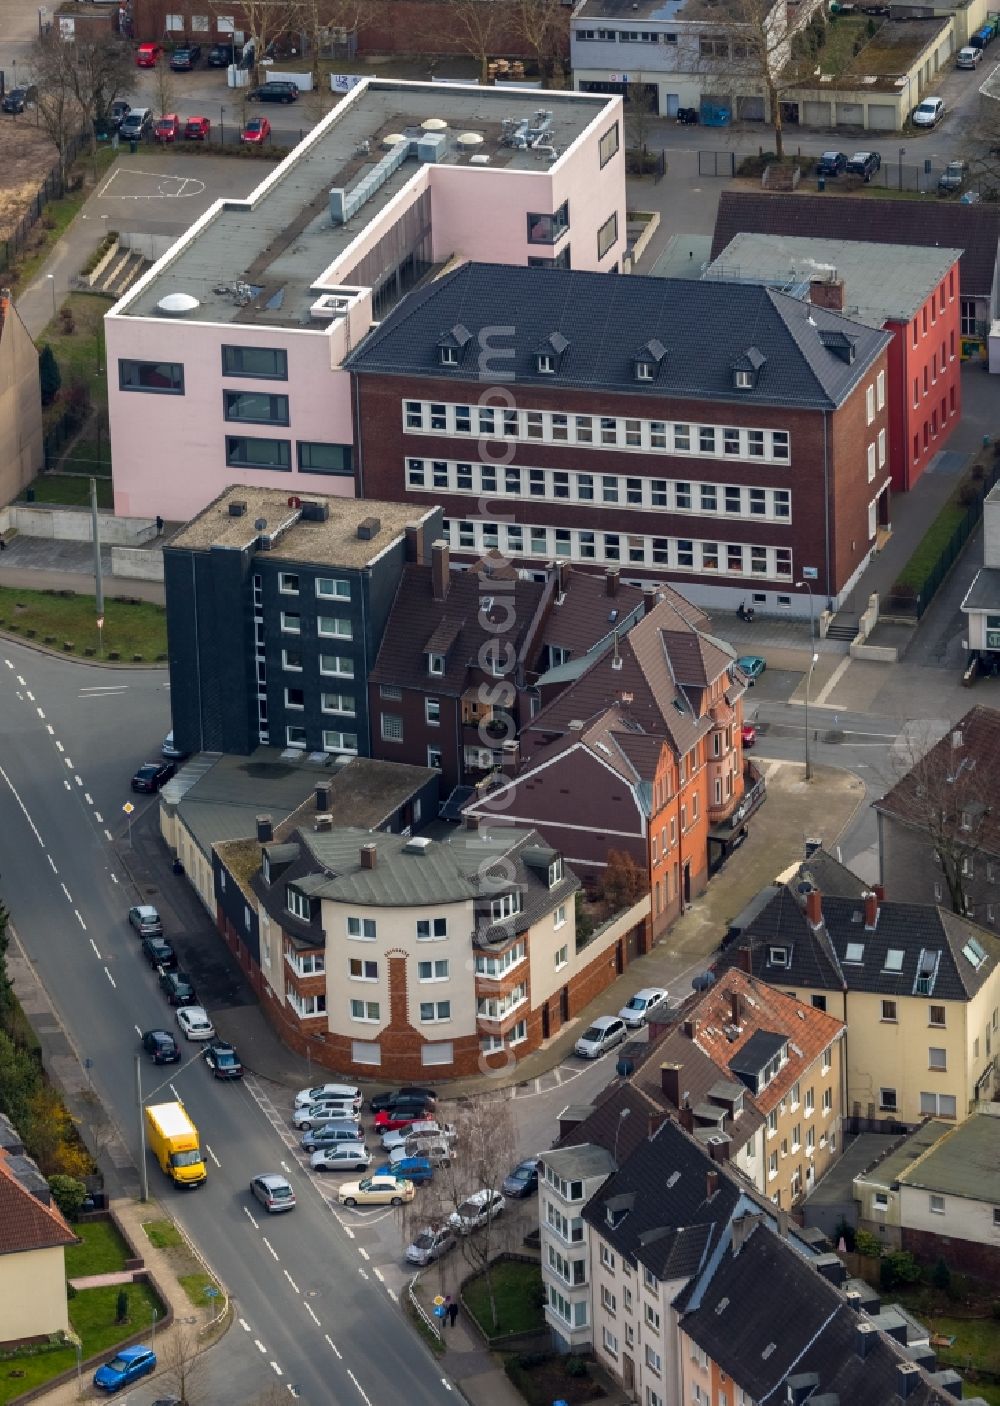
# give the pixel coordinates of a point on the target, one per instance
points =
(143, 1170)
(52, 284)
(814, 658)
(902, 153)
(621, 1119)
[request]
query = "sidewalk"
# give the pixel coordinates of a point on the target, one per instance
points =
(474, 1369)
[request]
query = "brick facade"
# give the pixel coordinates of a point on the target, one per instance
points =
(972, 1258)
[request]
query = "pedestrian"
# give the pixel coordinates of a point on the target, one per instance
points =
(452, 1313)
(445, 1310)
(159, 524)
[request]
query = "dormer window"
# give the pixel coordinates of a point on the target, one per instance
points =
(449, 356)
(778, 956)
(555, 871)
(452, 344)
(643, 371)
(265, 865)
(435, 664)
(545, 364)
(747, 368)
(505, 907)
(297, 903)
(744, 380)
(647, 362)
(550, 353)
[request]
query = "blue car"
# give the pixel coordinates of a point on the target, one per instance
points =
(752, 665)
(129, 1365)
(416, 1169)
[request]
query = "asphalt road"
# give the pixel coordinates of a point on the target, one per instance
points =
(309, 1310)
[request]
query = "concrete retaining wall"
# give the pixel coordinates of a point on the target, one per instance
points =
(879, 653)
(74, 524)
(150, 246)
(136, 564)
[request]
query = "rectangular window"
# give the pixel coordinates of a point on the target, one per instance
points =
(329, 589)
(608, 145)
(607, 235)
(392, 727)
(291, 659)
(288, 583)
(340, 742)
(548, 229)
(871, 462)
(889, 1010)
(936, 1015)
(334, 627)
(297, 904)
(360, 969)
(341, 665)
(365, 1010)
(937, 1205)
(937, 1058)
(562, 957)
(887, 1100)
(939, 1105)
(256, 363)
(431, 929)
(342, 703)
(242, 452)
(291, 624)
(315, 458)
(255, 407)
(295, 698)
(433, 971)
(433, 1012)
(160, 377)
(362, 928)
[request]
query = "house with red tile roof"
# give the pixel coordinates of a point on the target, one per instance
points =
(33, 1238)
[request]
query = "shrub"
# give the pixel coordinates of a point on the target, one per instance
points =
(67, 322)
(941, 1277)
(70, 1290)
(899, 1268)
(867, 1244)
(527, 1360)
(49, 374)
(68, 1193)
(575, 1367)
(68, 646)
(121, 1306)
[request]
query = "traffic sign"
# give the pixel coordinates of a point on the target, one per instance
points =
(128, 807)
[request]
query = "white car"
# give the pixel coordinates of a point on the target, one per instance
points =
(342, 1157)
(339, 1093)
(606, 1032)
(928, 113)
(318, 1114)
(475, 1211)
(437, 1150)
(426, 1128)
(635, 1013)
(195, 1023)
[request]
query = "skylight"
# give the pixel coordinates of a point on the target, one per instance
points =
(972, 952)
(673, 1178)
(855, 952)
(894, 960)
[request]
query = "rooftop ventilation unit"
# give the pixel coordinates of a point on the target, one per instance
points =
(418, 845)
(177, 304)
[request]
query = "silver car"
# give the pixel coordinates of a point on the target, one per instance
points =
(606, 1032)
(331, 1133)
(319, 1113)
(273, 1191)
(341, 1157)
(333, 1093)
(431, 1244)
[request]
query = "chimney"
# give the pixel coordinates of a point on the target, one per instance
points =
(871, 910)
(907, 1379)
(265, 830)
(879, 891)
(415, 543)
(440, 565)
(368, 855)
(720, 1149)
(324, 795)
(827, 293)
(735, 1011)
(865, 1334)
(324, 822)
(814, 908)
(648, 599)
(799, 1388)
(670, 1083)
(611, 581)
(853, 1300)
(741, 1228)
(471, 821)
(690, 1028)
(745, 962)
(685, 1117)
(562, 577)
(831, 1268)
(711, 1184)
(782, 1219)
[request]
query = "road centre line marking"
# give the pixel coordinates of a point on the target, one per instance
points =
(260, 1346)
(60, 747)
(363, 1253)
(52, 863)
(354, 1379)
(50, 729)
(333, 1345)
(110, 978)
(379, 1275)
(88, 798)
(108, 835)
(40, 713)
(98, 956)
(272, 1251)
(276, 1368)
(291, 1280)
(79, 919)
(29, 694)
(69, 763)
(175, 1093)
(24, 809)
(363, 1272)
(78, 780)
(244, 1325)
(249, 1215)
(67, 785)
(100, 820)
(67, 892)
(212, 1155)
(311, 1314)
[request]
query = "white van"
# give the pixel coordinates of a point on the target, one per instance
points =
(968, 58)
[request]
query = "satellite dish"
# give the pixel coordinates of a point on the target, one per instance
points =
(260, 524)
(177, 304)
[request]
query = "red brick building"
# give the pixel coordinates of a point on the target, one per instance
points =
(715, 436)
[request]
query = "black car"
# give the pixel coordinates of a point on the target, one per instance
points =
(152, 775)
(411, 1094)
(18, 99)
(183, 59)
(159, 953)
(864, 164)
(220, 56)
(523, 1180)
(117, 113)
(275, 92)
(178, 988)
(223, 1060)
(831, 163)
(161, 1047)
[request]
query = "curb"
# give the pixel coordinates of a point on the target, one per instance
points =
(13, 638)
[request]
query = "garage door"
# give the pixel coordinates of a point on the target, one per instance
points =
(882, 117)
(750, 109)
(850, 115)
(816, 114)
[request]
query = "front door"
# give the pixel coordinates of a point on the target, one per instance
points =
(619, 957)
(545, 1021)
(628, 1373)
(564, 1005)
(687, 882)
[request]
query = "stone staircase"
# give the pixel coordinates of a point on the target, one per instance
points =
(843, 627)
(121, 272)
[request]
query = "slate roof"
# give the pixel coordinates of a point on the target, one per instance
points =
(25, 1223)
(365, 793)
(963, 1162)
(819, 958)
(418, 623)
(984, 593)
(604, 1125)
(581, 615)
(975, 229)
(742, 1321)
(699, 1077)
(705, 327)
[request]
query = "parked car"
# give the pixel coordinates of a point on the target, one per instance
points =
(410, 1091)
(606, 1032)
(319, 1113)
(376, 1191)
(146, 920)
(748, 735)
(275, 92)
(273, 1191)
(137, 124)
(752, 665)
(431, 1244)
(159, 953)
(117, 113)
(928, 113)
(953, 177)
(414, 1132)
(865, 164)
(635, 1012)
(197, 129)
(220, 56)
(415, 1169)
(522, 1181)
(831, 163)
(167, 129)
(389, 1119)
(969, 57)
(161, 1047)
(147, 55)
(183, 59)
(344, 1093)
(341, 1157)
(256, 132)
(128, 1365)
(475, 1211)
(178, 988)
(151, 776)
(337, 1130)
(194, 1021)
(222, 1059)
(17, 99)
(169, 750)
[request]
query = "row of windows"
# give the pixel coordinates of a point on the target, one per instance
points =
(934, 308)
(431, 1012)
(516, 1035)
(331, 627)
(606, 431)
(609, 490)
(330, 740)
(575, 544)
(367, 969)
(167, 377)
(246, 452)
(327, 588)
(426, 929)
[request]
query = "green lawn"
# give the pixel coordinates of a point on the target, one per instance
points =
(163, 1234)
(92, 1315)
(128, 629)
(937, 537)
(837, 53)
(517, 1290)
(194, 1285)
(71, 490)
(60, 215)
(977, 1342)
(80, 353)
(103, 1250)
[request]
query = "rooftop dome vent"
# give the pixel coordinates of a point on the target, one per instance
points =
(177, 304)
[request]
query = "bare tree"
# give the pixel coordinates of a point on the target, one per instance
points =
(476, 27)
(639, 106)
(100, 71)
(164, 88)
(58, 105)
(316, 20)
(485, 1151)
(185, 1363)
(266, 21)
(540, 23)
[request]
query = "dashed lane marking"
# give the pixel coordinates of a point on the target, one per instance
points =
(69, 896)
(363, 1273)
(212, 1155)
(333, 1345)
(244, 1325)
(110, 978)
(88, 798)
(270, 1248)
(100, 820)
(79, 919)
(363, 1253)
(291, 1280)
(137, 1031)
(354, 1379)
(260, 1346)
(276, 1369)
(249, 1215)
(52, 864)
(311, 1314)
(98, 956)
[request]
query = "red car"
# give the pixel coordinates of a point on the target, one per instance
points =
(748, 734)
(147, 55)
(196, 129)
(168, 129)
(256, 132)
(387, 1122)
